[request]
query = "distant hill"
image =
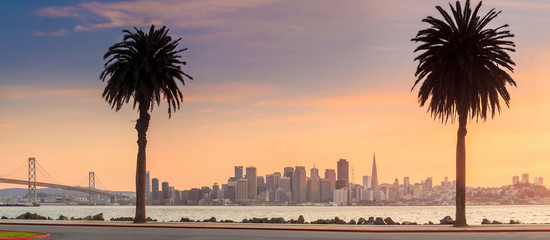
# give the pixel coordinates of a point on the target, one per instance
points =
(17, 192)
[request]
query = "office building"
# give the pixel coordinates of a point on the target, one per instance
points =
(343, 171)
(374, 184)
(147, 185)
(314, 172)
(155, 188)
(515, 180)
(238, 172)
(525, 178)
(313, 190)
(242, 189)
(330, 174)
(326, 192)
(367, 181)
(165, 191)
(252, 176)
(299, 184)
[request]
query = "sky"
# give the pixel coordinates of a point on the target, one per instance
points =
(277, 83)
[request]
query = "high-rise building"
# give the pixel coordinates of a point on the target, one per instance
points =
(251, 176)
(343, 171)
(330, 174)
(525, 178)
(314, 172)
(155, 188)
(147, 185)
(299, 184)
(326, 192)
(260, 185)
(406, 185)
(313, 190)
(238, 172)
(374, 184)
(288, 172)
(215, 189)
(428, 184)
(515, 180)
(165, 191)
(272, 184)
(367, 181)
(242, 189)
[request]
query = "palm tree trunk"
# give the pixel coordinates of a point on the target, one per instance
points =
(141, 126)
(461, 171)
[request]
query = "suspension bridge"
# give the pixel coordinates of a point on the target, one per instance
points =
(34, 166)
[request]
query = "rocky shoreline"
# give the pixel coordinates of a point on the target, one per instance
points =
(447, 220)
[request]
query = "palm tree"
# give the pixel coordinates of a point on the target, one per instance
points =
(144, 67)
(462, 67)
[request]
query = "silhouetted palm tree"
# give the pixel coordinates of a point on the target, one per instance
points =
(462, 69)
(144, 67)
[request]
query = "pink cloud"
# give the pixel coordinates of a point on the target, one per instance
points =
(60, 32)
(24, 92)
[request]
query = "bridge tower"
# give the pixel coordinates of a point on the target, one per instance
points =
(32, 180)
(91, 185)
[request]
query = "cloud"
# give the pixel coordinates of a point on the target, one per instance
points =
(227, 92)
(60, 32)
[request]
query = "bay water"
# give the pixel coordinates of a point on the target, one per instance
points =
(530, 214)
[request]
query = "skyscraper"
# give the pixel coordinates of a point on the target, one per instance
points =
(314, 172)
(242, 189)
(165, 190)
(155, 187)
(238, 172)
(374, 184)
(343, 171)
(147, 185)
(367, 181)
(299, 184)
(251, 176)
(525, 178)
(330, 174)
(288, 171)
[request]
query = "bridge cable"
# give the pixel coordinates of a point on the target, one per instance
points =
(16, 170)
(100, 183)
(47, 173)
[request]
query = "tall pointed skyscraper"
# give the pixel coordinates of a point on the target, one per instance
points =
(374, 184)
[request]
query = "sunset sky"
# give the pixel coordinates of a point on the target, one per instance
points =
(277, 83)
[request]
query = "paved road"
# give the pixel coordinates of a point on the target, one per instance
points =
(94, 232)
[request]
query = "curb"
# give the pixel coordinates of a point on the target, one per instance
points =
(294, 228)
(44, 235)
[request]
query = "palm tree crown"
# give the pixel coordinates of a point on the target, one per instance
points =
(461, 64)
(144, 67)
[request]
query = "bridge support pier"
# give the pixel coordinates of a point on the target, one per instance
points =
(91, 185)
(32, 181)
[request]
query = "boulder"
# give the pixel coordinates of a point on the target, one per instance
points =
(370, 221)
(61, 217)
(149, 219)
(4, 217)
(184, 219)
(361, 221)
(212, 219)
(337, 220)
(485, 221)
(496, 222)
(430, 223)
(408, 223)
(98, 217)
(390, 221)
(227, 221)
(244, 220)
(379, 221)
(72, 219)
(447, 220)
(276, 220)
(300, 220)
(85, 218)
(514, 222)
(352, 222)
(29, 215)
(259, 220)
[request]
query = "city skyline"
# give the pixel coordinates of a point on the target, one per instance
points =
(317, 83)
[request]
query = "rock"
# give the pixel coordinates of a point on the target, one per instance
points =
(259, 220)
(361, 221)
(352, 222)
(430, 223)
(72, 218)
(337, 220)
(85, 218)
(4, 217)
(301, 220)
(485, 221)
(212, 219)
(276, 220)
(184, 219)
(98, 217)
(29, 215)
(149, 219)
(446, 220)
(408, 223)
(227, 221)
(49, 218)
(379, 221)
(370, 221)
(61, 217)
(244, 221)
(389, 221)
(496, 222)
(514, 222)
